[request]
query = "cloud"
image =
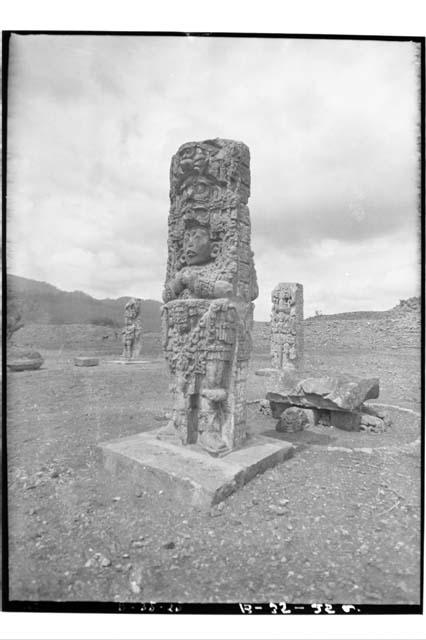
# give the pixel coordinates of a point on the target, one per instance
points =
(331, 125)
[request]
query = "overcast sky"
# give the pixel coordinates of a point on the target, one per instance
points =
(332, 131)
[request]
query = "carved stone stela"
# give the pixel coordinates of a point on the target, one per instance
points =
(210, 285)
(132, 332)
(287, 326)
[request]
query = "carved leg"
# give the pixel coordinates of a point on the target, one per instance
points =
(211, 414)
(177, 429)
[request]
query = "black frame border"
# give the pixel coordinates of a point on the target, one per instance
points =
(199, 608)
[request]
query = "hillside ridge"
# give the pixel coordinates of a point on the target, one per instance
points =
(43, 303)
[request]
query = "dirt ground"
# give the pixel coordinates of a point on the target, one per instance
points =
(332, 524)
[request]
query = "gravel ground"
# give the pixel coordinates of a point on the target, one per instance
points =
(330, 525)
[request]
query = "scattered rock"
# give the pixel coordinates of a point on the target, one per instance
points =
(265, 407)
(135, 580)
(98, 560)
(139, 543)
(277, 509)
(374, 423)
(135, 587)
(105, 562)
(414, 448)
(91, 562)
(169, 545)
(283, 501)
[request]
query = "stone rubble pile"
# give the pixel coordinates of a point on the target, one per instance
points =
(328, 401)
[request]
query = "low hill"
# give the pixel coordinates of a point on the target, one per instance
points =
(404, 306)
(42, 303)
(395, 328)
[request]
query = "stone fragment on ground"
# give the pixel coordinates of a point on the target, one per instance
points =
(278, 509)
(344, 393)
(359, 421)
(295, 419)
(84, 361)
(23, 360)
(265, 407)
(135, 580)
(266, 372)
(369, 412)
(98, 560)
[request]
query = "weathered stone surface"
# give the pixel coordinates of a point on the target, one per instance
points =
(24, 365)
(127, 362)
(287, 325)
(132, 332)
(265, 407)
(295, 419)
(346, 420)
(342, 393)
(322, 417)
(85, 361)
(189, 474)
(378, 412)
(267, 372)
(23, 360)
(208, 294)
(277, 408)
(372, 424)
(357, 421)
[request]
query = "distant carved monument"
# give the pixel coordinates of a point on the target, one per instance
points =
(210, 285)
(287, 326)
(132, 331)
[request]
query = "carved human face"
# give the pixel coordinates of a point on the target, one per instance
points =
(197, 246)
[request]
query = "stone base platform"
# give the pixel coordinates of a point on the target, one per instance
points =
(128, 361)
(189, 474)
(84, 361)
(24, 365)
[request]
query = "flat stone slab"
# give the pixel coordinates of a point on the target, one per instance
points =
(129, 361)
(189, 474)
(267, 372)
(341, 393)
(25, 365)
(86, 362)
